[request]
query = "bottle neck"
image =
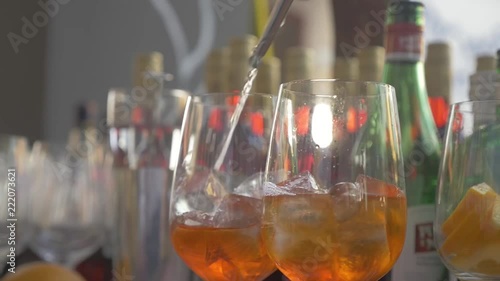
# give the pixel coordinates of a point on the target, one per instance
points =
(404, 59)
(408, 78)
(404, 43)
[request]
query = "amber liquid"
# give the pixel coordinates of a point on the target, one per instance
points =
(221, 254)
(309, 239)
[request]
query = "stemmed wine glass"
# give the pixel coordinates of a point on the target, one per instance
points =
(467, 225)
(334, 197)
(68, 204)
(15, 194)
(216, 206)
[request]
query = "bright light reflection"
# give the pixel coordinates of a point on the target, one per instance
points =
(175, 149)
(322, 125)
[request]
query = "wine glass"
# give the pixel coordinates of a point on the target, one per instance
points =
(15, 190)
(216, 204)
(334, 197)
(467, 225)
(68, 204)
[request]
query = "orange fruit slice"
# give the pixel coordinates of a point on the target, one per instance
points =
(495, 216)
(40, 271)
(478, 200)
(485, 260)
(472, 233)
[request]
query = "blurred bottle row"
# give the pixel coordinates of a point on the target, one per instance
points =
(135, 142)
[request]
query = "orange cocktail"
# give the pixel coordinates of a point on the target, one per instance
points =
(222, 247)
(323, 237)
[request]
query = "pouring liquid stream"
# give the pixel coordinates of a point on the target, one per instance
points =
(276, 20)
(252, 74)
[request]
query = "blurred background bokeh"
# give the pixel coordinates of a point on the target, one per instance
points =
(86, 47)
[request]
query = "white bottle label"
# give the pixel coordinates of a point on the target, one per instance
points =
(419, 260)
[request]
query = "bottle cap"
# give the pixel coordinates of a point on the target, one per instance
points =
(346, 68)
(371, 63)
(438, 70)
(438, 52)
(298, 63)
(405, 11)
(485, 63)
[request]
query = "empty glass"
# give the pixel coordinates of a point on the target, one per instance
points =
(142, 139)
(15, 196)
(68, 204)
(467, 225)
(216, 210)
(334, 203)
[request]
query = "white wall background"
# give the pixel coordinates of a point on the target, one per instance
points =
(472, 28)
(92, 43)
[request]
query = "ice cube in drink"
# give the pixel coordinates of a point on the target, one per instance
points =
(228, 246)
(310, 236)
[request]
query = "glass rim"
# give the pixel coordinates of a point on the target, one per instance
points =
(198, 99)
(456, 106)
(221, 94)
(287, 87)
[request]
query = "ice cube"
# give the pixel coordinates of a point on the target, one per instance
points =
(214, 187)
(347, 197)
(238, 211)
(204, 191)
(216, 258)
(196, 218)
(252, 186)
(207, 181)
(271, 189)
(303, 183)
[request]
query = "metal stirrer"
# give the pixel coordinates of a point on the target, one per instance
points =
(276, 20)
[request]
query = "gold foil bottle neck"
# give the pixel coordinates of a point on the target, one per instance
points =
(346, 68)
(240, 50)
(485, 63)
(298, 64)
(242, 47)
(216, 71)
(371, 63)
(438, 52)
(438, 74)
(269, 76)
(147, 63)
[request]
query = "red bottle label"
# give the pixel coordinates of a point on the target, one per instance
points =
(404, 42)
(440, 111)
(424, 238)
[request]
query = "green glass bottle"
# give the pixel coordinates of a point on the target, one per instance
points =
(404, 69)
